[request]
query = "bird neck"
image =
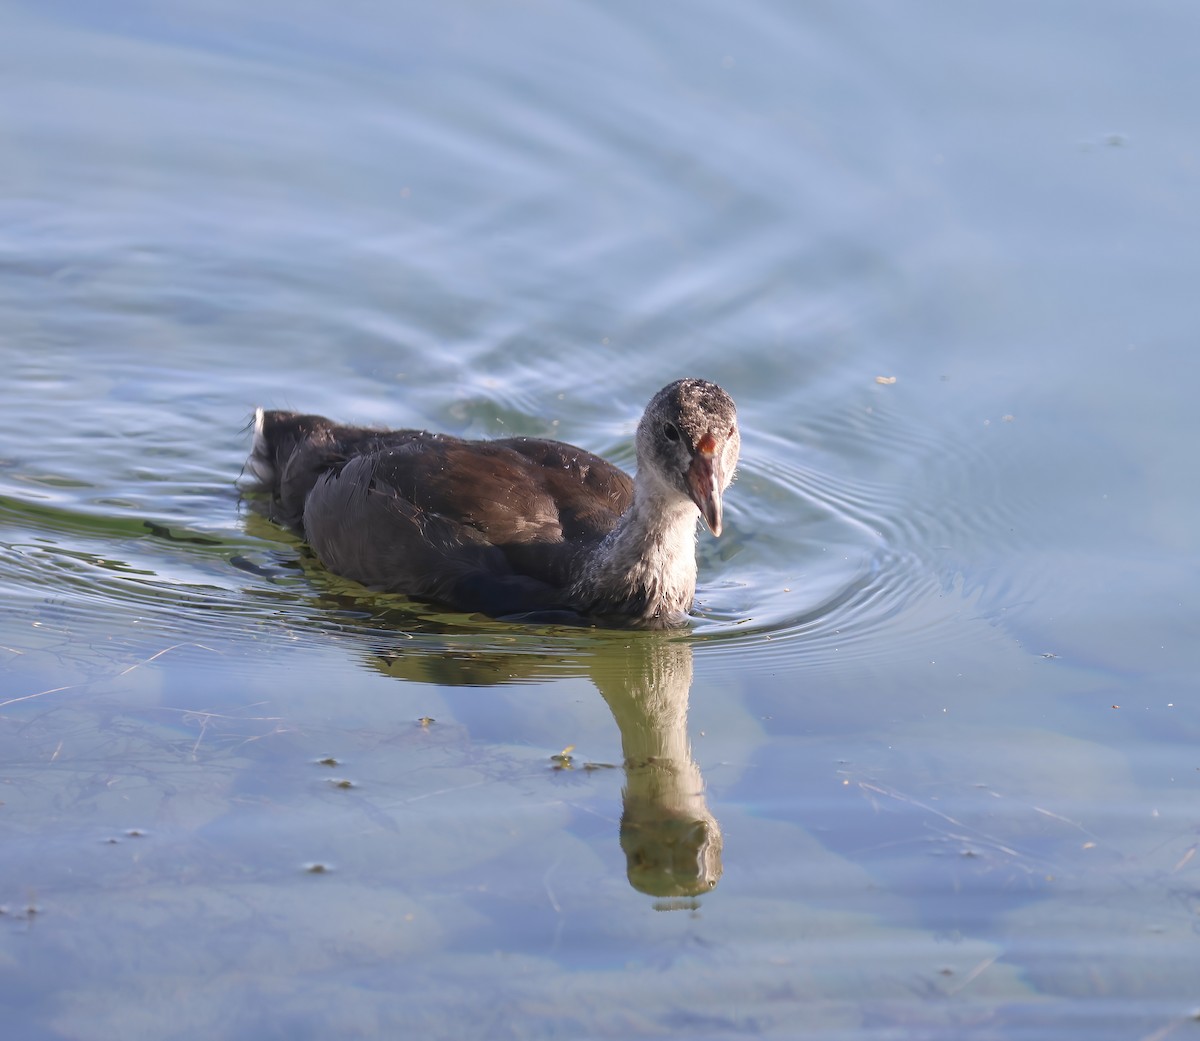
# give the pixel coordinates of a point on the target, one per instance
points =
(649, 558)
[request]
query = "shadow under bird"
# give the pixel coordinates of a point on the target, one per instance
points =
(512, 527)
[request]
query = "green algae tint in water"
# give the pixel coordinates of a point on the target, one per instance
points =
(923, 766)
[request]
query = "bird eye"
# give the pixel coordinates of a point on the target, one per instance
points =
(672, 431)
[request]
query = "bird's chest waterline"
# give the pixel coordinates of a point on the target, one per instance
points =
(650, 573)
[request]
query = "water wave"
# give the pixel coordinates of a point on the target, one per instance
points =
(830, 565)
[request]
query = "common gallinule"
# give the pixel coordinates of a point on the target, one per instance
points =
(517, 526)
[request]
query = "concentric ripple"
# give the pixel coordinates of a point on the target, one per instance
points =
(827, 565)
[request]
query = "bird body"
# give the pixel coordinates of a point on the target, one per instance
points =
(517, 526)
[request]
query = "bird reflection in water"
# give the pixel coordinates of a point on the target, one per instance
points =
(672, 842)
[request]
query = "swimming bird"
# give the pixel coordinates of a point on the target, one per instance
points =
(518, 526)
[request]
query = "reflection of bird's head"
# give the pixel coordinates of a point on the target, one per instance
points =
(671, 856)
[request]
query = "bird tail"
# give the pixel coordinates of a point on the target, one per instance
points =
(260, 468)
(277, 436)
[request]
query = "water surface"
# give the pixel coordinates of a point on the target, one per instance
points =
(924, 763)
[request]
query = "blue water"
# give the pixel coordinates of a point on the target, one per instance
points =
(924, 764)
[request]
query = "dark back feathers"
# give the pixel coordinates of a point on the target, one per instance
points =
(498, 526)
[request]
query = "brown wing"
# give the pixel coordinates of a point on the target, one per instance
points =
(515, 491)
(589, 492)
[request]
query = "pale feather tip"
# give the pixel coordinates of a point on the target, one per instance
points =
(260, 466)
